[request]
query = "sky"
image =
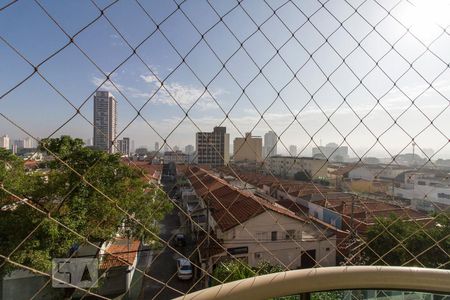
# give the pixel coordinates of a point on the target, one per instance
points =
(314, 72)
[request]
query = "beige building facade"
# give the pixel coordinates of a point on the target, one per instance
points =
(248, 148)
(213, 148)
(288, 166)
(280, 240)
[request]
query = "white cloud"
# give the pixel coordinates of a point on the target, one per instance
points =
(150, 78)
(115, 87)
(183, 94)
(170, 94)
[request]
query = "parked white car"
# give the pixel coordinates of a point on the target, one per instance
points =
(184, 269)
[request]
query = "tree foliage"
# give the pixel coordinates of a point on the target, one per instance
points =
(302, 176)
(93, 194)
(232, 270)
(397, 242)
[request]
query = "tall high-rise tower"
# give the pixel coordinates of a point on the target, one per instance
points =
(270, 144)
(105, 121)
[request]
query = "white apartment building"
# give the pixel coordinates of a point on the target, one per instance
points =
(424, 189)
(4, 142)
(288, 166)
(270, 144)
(105, 121)
(254, 229)
(379, 171)
(123, 146)
(28, 143)
(213, 148)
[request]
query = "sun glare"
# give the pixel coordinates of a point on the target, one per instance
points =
(427, 16)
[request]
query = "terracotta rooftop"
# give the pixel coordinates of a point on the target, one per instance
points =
(122, 252)
(366, 210)
(295, 207)
(151, 171)
(31, 164)
(229, 205)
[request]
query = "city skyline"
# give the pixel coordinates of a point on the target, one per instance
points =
(331, 150)
(164, 149)
(390, 121)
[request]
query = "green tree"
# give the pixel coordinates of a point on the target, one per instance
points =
(332, 295)
(397, 242)
(302, 176)
(108, 198)
(234, 269)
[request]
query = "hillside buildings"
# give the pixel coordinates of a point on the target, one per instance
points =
(105, 121)
(213, 148)
(248, 148)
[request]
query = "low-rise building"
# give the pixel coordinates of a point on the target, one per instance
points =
(118, 265)
(288, 166)
(377, 171)
(426, 190)
(177, 157)
(246, 226)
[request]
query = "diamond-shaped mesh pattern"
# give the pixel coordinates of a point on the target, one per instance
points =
(370, 76)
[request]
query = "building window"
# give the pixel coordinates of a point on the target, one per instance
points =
(262, 236)
(274, 235)
(443, 195)
(290, 234)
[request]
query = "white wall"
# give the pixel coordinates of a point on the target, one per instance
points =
(362, 173)
(282, 251)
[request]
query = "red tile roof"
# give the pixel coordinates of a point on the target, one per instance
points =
(150, 171)
(122, 252)
(229, 205)
(366, 210)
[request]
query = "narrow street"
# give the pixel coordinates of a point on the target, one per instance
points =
(163, 266)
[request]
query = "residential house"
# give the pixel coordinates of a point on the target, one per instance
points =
(254, 229)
